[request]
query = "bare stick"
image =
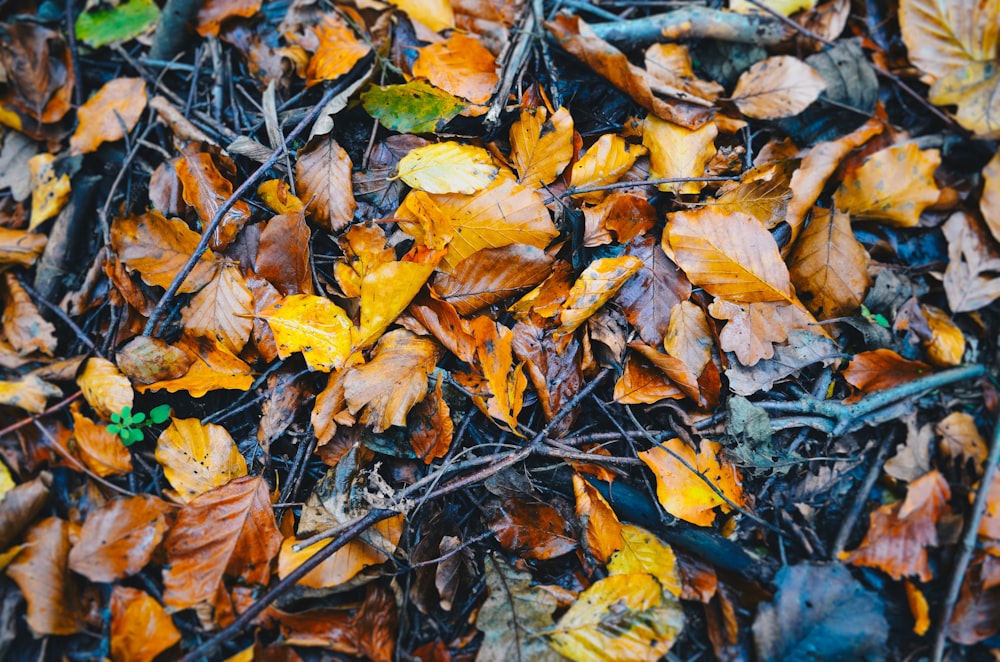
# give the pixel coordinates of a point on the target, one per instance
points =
(694, 23)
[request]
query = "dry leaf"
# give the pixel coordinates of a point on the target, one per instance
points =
(492, 275)
(643, 552)
(541, 146)
(20, 246)
(989, 202)
(763, 192)
(447, 167)
(109, 114)
(460, 66)
(338, 50)
(213, 367)
(669, 65)
(102, 452)
(969, 279)
(435, 14)
(893, 185)
(604, 163)
(323, 173)
(780, 86)
(689, 337)
(601, 528)
(675, 152)
(141, 629)
(595, 286)
(50, 189)
(960, 439)
(344, 564)
(531, 529)
(145, 360)
(222, 309)
(313, 325)
(641, 383)
(205, 189)
(431, 428)
(882, 368)
(29, 393)
(947, 342)
(648, 297)
(23, 325)
(42, 574)
(386, 291)
(105, 389)
(506, 381)
(283, 254)
(158, 247)
(197, 458)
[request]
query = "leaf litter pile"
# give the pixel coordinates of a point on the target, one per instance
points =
(499, 330)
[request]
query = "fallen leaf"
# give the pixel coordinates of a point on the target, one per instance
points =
(596, 285)
(689, 337)
(494, 349)
(900, 533)
(344, 564)
(29, 393)
(50, 189)
(197, 458)
(604, 162)
(102, 452)
(414, 107)
(222, 309)
(969, 278)
(459, 65)
(780, 86)
(783, 7)
(213, 367)
(386, 291)
(513, 614)
(158, 247)
(109, 114)
(919, 609)
(678, 152)
(960, 439)
(829, 266)
(541, 146)
(531, 530)
(337, 52)
(669, 65)
(683, 493)
(21, 247)
(448, 167)
(283, 254)
(601, 529)
(140, 628)
(763, 192)
(323, 174)
(435, 14)
(145, 360)
(105, 389)
(313, 325)
(989, 202)
(881, 369)
(491, 275)
(42, 574)
(621, 216)
(893, 185)
(989, 525)
(227, 531)
(20, 506)
(120, 23)
(946, 345)
(431, 428)
(641, 383)
(621, 617)
(753, 329)
(212, 14)
(648, 297)
(23, 325)
(642, 552)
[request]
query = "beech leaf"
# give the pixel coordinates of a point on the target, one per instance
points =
(780, 86)
(313, 325)
(447, 167)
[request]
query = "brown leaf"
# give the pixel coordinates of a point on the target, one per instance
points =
(829, 266)
(158, 247)
(23, 326)
(882, 368)
(969, 278)
(648, 297)
(531, 530)
(960, 439)
(602, 530)
(989, 526)
(206, 189)
(579, 39)
(213, 12)
(20, 505)
(431, 427)
(780, 86)
(443, 322)
(283, 254)
(763, 192)
(674, 368)
(556, 375)
(29, 394)
(641, 383)
(118, 539)
(140, 628)
(689, 337)
(323, 172)
(145, 360)
(285, 394)
(670, 67)
(41, 572)
(39, 76)
(621, 216)
(330, 409)
(213, 367)
(900, 533)
(108, 114)
(491, 275)
(228, 531)
(222, 309)
(376, 623)
(893, 185)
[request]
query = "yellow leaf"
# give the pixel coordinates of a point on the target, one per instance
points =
(393, 381)
(683, 493)
(313, 325)
(598, 283)
(106, 116)
(602, 530)
(643, 552)
(29, 394)
(678, 152)
(20, 246)
(222, 309)
(386, 291)
(918, 607)
(158, 247)
(604, 163)
(893, 185)
(783, 7)
(540, 146)
(49, 190)
(105, 389)
(447, 167)
(829, 266)
(6, 481)
(212, 367)
(197, 458)
(780, 86)
(277, 195)
(621, 617)
(344, 564)
(435, 14)
(689, 337)
(947, 343)
(732, 256)
(974, 89)
(494, 348)
(669, 66)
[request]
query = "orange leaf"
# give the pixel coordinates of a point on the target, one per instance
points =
(670, 66)
(960, 439)
(313, 325)
(684, 494)
(495, 352)
(598, 283)
(213, 367)
(393, 381)
(780, 86)
(213, 12)
(41, 572)
(900, 533)
(344, 564)
(108, 114)
(105, 389)
(763, 192)
(621, 216)
(323, 172)
(947, 343)
(102, 452)
(435, 14)
(531, 530)
(919, 609)
(197, 458)
(674, 368)
(20, 246)
(431, 427)
(222, 309)
(228, 531)
(118, 539)
(641, 383)
(882, 368)
(442, 320)
(602, 530)
(675, 151)
(604, 163)
(330, 409)
(140, 628)
(460, 66)
(541, 146)
(158, 247)
(893, 185)
(339, 50)
(731, 256)
(283, 254)
(491, 275)
(206, 189)
(23, 326)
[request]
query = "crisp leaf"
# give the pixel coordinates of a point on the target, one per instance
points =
(197, 458)
(460, 65)
(595, 286)
(780, 86)
(541, 146)
(313, 325)
(323, 171)
(223, 309)
(894, 185)
(158, 247)
(447, 167)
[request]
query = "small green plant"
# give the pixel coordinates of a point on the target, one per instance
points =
(129, 426)
(874, 317)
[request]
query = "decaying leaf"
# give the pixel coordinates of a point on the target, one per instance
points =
(158, 247)
(894, 186)
(197, 458)
(602, 530)
(881, 369)
(970, 280)
(513, 616)
(780, 86)
(109, 114)
(595, 286)
(223, 308)
(206, 190)
(323, 171)
(42, 573)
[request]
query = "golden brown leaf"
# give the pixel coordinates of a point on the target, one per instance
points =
(829, 266)
(213, 367)
(460, 65)
(882, 368)
(158, 247)
(20, 506)
(601, 529)
(443, 322)
(49, 189)
(643, 552)
(763, 192)
(676, 152)
(556, 375)
(947, 342)
(41, 572)
(596, 285)
(228, 531)
(140, 628)
(531, 529)
(621, 216)
(689, 337)
(919, 609)
(431, 427)
(20, 246)
(337, 52)
(900, 533)
(23, 325)
(494, 349)
(102, 452)
(731, 256)
(313, 325)
(395, 379)
(222, 309)
(105, 389)
(780, 86)
(106, 116)
(491, 275)
(989, 526)
(197, 458)
(669, 67)
(893, 185)
(118, 539)
(989, 201)
(541, 146)
(960, 439)
(604, 162)
(344, 564)
(970, 280)
(673, 367)
(323, 173)
(641, 383)
(145, 360)
(29, 393)
(283, 253)
(386, 291)
(205, 189)
(648, 297)
(683, 493)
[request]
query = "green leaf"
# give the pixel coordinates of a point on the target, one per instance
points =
(159, 414)
(415, 107)
(126, 21)
(138, 418)
(113, 428)
(132, 436)
(115, 417)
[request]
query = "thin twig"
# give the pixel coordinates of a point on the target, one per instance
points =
(13, 427)
(75, 463)
(968, 544)
(860, 498)
(643, 182)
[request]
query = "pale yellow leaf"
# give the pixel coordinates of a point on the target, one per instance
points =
(643, 552)
(223, 309)
(386, 291)
(783, 7)
(435, 14)
(197, 458)
(598, 283)
(780, 86)
(29, 394)
(942, 36)
(313, 325)
(689, 338)
(676, 152)
(447, 167)
(49, 189)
